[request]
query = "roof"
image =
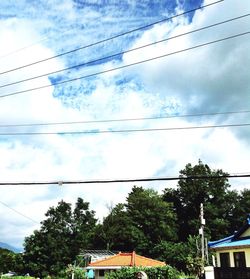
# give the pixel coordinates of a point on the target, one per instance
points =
(239, 239)
(97, 253)
(126, 260)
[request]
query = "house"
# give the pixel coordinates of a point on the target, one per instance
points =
(121, 260)
(233, 254)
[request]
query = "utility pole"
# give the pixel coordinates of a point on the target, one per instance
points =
(201, 232)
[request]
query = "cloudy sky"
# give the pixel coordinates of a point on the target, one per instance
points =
(211, 80)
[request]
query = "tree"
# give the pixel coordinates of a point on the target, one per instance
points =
(61, 237)
(153, 216)
(241, 210)
(10, 261)
(7, 260)
(181, 255)
(139, 224)
(213, 192)
(117, 231)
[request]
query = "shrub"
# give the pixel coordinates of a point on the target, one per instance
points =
(166, 272)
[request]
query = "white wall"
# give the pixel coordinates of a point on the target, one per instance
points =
(247, 255)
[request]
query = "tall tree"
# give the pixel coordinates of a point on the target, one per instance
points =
(213, 192)
(241, 210)
(10, 261)
(139, 224)
(62, 235)
(153, 215)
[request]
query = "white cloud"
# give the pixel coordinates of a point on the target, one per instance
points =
(207, 79)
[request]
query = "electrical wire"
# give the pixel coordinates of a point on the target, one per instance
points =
(98, 181)
(123, 119)
(126, 66)
(113, 37)
(125, 130)
(44, 38)
(126, 51)
(18, 212)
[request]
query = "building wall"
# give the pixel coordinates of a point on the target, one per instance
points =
(247, 256)
(246, 233)
(97, 273)
(97, 276)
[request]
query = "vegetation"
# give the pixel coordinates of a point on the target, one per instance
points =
(17, 277)
(10, 261)
(162, 226)
(139, 224)
(166, 272)
(62, 235)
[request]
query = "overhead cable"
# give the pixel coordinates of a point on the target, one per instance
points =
(128, 65)
(113, 37)
(18, 212)
(124, 52)
(102, 181)
(86, 132)
(123, 119)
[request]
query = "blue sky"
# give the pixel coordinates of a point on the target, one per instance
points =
(210, 79)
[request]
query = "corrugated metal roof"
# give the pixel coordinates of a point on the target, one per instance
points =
(238, 240)
(231, 244)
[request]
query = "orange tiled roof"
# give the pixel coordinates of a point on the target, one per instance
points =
(127, 259)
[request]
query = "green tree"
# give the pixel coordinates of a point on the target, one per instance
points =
(153, 216)
(179, 254)
(61, 237)
(7, 260)
(139, 224)
(241, 210)
(117, 232)
(212, 191)
(10, 261)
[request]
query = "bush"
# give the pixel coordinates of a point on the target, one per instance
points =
(166, 272)
(79, 273)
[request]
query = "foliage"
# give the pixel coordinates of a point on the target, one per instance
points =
(165, 272)
(241, 209)
(79, 273)
(213, 192)
(194, 265)
(62, 235)
(163, 226)
(10, 261)
(139, 224)
(179, 254)
(7, 260)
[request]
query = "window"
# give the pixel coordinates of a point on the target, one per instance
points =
(239, 259)
(224, 260)
(101, 272)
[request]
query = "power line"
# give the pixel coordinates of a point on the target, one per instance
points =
(44, 38)
(125, 130)
(126, 51)
(169, 178)
(18, 212)
(111, 38)
(128, 65)
(122, 119)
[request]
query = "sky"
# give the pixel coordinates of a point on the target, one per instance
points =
(212, 80)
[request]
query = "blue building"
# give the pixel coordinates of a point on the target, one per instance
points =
(233, 254)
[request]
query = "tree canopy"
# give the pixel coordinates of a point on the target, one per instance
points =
(139, 224)
(61, 237)
(213, 192)
(162, 226)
